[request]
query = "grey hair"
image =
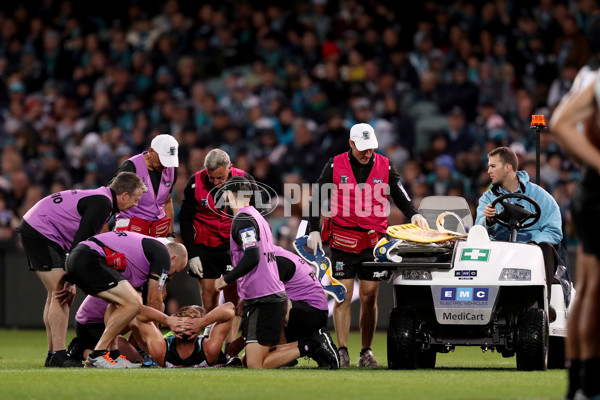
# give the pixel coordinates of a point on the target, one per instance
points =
(216, 158)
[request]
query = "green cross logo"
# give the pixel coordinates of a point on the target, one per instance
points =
(475, 255)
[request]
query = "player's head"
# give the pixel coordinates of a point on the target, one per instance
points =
(179, 257)
(163, 152)
(128, 188)
(363, 142)
(218, 167)
(238, 192)
(189, 312)
(502, 164)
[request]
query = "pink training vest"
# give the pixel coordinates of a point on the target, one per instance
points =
(354, 207)
(151, 206)
(210, 228)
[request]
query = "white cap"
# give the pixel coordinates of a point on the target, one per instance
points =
(363, 136)
(167, 149)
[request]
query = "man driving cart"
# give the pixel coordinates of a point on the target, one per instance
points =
(507, 180)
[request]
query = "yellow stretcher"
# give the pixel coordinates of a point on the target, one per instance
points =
(416, 234)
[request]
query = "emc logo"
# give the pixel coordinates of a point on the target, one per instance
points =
(465, 294)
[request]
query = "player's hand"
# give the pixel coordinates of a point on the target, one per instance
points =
(66, 295)
(194, 326)
(314, 242)
(178, 325)
(489, 212)
(239, 308)
(196, 267)
(220, 284)
(420, 221)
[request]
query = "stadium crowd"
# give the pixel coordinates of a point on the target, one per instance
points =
(278, 85)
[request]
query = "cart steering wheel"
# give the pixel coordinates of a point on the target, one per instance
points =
(515, 215)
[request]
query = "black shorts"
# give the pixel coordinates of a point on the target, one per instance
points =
(585, 209)
(89, 271)
(263, 322)
(42, 253)
(349, 265)
(87, 337)
(216, 262)
(304, 320)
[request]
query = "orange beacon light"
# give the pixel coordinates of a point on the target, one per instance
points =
(538, 120)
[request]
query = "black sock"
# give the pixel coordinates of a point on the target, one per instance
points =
(97, 353)
(114, 354)
(307, 347)
(48, 357)
(574, 373)
(60, 354)
(343, 348)
(363, 351)
(590, 371)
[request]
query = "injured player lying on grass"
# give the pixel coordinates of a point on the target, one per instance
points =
(185, 347)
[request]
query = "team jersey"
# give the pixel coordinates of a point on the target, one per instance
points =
(196, 360)
(151, 206)
(263, 280)
(145, 255)
(302, 285)
(70, 216)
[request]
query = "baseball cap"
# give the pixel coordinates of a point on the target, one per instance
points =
(167, 149)
(363, 136)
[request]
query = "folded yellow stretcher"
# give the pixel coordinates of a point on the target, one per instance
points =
(416, 234)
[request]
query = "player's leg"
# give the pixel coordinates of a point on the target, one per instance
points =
(572, 343)
(345, 268)
(303, 321)
(210, 296)
(341, 321)
(589, 326)
(47, 259)
(261, 326)
(255, 355)
(125, 304)
(49, 295)
(368, 291)
(57, 318)
(341, 314)
(83, 343)
(230, 294)
(280, 355)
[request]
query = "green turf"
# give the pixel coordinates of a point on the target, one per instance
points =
(465, 374)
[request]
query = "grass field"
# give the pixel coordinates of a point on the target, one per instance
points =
(465, 374)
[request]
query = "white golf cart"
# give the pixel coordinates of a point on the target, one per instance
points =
(475, 292)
